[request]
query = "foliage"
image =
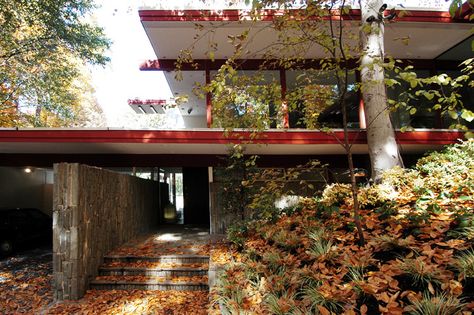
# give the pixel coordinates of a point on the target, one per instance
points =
(465, 264)
(306, 263)
(44, 45)
(443, 175)
(271, 185)
(368, 197)
(451, 169)
(437, 305)
(250, 192)
(421, 273)
(236, 192)
(245, 101)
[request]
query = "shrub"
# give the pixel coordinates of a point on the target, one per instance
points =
(335, 194)
(368, 197)
(449, 169)
(402, 179)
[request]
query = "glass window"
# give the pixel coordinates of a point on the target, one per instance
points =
(312, 97)
(465, 99)
(250, 99)
(406, 98)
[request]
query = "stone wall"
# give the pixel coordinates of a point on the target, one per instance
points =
(94, 211)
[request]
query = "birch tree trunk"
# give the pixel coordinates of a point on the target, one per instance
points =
(383, 148)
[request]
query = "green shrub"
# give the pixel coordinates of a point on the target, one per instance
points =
(448, 169)
(368, 197)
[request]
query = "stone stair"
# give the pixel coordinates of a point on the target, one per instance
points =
(165, 272)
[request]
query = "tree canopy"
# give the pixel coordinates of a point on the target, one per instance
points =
(43, 48)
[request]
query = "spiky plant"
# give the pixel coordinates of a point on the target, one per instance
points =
(462, 233)
(387, 242)
(465, 264)
(322, 244)
(230, 297)
(316, 298)
(356, 276)
(281, 304)
(420, 272)
(437, 305)
(274, 262)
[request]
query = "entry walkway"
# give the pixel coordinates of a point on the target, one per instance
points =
(167, 240)
(171, 258)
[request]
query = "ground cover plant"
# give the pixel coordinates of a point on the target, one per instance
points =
(418, 257)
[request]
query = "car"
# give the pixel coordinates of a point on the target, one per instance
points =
(23, 227)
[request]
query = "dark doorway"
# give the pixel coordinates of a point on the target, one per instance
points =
(196, 195)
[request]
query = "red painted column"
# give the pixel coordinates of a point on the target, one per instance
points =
(208, 100)
(286, 116)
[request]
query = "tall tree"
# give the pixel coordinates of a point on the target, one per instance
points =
(383, 148)
(43, 45)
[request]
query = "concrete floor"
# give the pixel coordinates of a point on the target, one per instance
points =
(169, 240)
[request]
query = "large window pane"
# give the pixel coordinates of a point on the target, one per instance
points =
(313, 99)
(406, 97)
(250, 99)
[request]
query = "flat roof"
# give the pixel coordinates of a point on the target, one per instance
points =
(204, 141)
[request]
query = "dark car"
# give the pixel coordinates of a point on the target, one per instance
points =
(23, 227)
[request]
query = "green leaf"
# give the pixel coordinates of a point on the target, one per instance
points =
(469, 135)
(453, 114)
(467, 115)
(412, 111)
(429, 96)
(413, 83)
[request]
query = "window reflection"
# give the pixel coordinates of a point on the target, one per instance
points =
(313, 99)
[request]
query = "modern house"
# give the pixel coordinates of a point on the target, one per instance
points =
(437, 44)
(186, 161)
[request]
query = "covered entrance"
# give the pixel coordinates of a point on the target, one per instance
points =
(184, 195)
(196, 195)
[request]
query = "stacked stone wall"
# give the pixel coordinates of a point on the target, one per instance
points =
(95, 210)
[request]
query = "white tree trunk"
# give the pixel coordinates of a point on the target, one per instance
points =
(383, 148)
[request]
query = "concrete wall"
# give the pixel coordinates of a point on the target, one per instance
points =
(95, 210)
(26, 190)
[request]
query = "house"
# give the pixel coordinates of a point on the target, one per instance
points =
(187, 161)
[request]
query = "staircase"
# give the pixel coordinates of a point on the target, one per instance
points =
(160, 272)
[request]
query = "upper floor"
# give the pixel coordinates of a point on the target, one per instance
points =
(430, 40)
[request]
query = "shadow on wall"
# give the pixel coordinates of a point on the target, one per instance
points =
(22, 189)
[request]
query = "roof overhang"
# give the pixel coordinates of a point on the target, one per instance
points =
(204, 141)
(430, 33)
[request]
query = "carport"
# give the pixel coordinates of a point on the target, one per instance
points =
(99, 207)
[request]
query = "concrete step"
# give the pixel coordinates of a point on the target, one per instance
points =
(149, 284)
(180, 259)
(157, 272)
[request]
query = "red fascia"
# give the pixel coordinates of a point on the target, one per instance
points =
(269, 15)
(216, 137)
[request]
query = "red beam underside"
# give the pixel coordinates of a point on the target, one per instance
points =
(270, 15)
(215, 137)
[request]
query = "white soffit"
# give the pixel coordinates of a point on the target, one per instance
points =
(426, 40)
